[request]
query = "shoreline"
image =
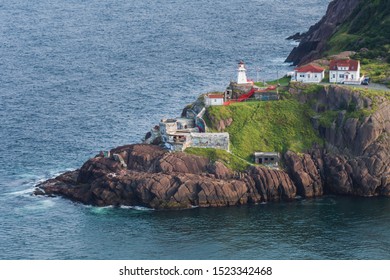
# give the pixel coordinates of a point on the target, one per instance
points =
(149, 176)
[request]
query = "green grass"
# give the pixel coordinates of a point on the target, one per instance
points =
(339, 42)
(260, 84)
(267, 126)
(231, 161)
(327, 118)
(372, 93)
(307, 88)
(284, 81)
(367, 27)
(377, 70)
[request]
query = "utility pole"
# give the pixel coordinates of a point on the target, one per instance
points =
(257, 73)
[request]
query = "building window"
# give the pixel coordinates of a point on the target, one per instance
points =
(334, 76)
(302, 75)
(341, 76)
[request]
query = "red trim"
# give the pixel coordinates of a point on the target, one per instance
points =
(217, 96)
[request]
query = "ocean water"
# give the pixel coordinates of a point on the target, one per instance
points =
(78, 76)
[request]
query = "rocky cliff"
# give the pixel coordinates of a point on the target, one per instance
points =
(354, 160)
(155, 178)
(313, 42)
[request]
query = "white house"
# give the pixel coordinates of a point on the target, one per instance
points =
(345, 71)
(309, 74)
(213, 99)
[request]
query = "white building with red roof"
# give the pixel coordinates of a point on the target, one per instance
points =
(345, 71)
(309, 73)
(213, 99)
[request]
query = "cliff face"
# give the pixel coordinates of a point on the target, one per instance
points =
(313, 42)
(356, 158)
(159, 179)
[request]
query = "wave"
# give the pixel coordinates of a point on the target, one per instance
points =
(138, 208)
(24, 184)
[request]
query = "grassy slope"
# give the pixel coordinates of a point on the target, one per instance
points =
(230, 160)
(367, 27)
(275, 125)
(378, 71)
(267, 126)
(283, 81)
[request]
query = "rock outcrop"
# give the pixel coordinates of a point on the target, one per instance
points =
(356, 158)
(313, 42)
(152, 177)
(305, 172)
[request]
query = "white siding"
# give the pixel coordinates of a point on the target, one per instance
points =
(213, 101)
(309, 77)
(344, 76)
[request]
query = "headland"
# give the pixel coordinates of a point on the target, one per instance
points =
(322, 129)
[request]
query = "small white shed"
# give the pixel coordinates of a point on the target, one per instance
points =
(214, 99)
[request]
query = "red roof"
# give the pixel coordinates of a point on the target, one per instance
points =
(309, 68)
(215, 96)
(350, 63)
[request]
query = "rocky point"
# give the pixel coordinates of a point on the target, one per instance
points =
(354, 160)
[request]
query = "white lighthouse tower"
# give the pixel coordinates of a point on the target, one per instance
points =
(241, 79)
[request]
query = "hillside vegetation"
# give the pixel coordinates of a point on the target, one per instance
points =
(266, 126)
(367, 31)
(228, 159)
(286, 124)
(367, 27)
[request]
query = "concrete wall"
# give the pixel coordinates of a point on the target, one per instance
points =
(185, 123)
(210, 140)
(168, 127)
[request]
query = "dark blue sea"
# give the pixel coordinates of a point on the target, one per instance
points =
(80, 76)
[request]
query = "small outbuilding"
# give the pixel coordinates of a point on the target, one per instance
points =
(267, 158)
(213, 99)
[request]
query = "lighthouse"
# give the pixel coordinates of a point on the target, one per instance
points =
(241, 79)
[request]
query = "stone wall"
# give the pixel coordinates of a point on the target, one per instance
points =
(210, 140)
(168, 126)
